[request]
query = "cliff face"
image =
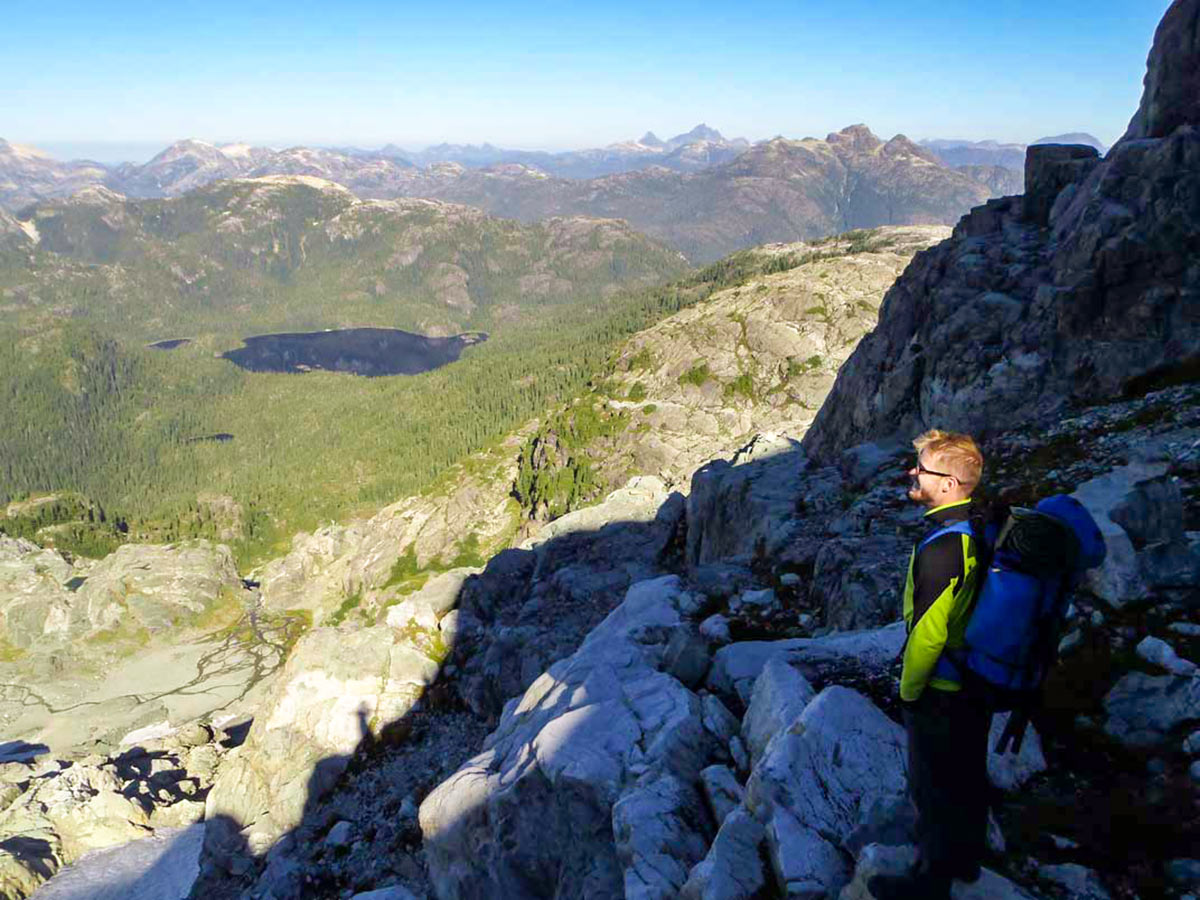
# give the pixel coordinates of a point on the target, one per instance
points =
(1172, 86)
(1080, 290)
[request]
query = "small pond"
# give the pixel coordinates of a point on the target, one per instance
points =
(361, 351)
(221, 437)
(169, 344)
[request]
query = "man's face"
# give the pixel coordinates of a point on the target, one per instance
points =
(929, 481)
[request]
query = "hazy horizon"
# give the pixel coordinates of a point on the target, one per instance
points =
(371, 73)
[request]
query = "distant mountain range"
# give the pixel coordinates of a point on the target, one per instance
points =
(731, 197)
(778, 190)
(28, 175)
(993, 153)
(697, 149)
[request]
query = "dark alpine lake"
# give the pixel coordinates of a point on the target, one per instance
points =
(361, 351)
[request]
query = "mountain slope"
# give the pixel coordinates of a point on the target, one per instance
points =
(292, 252)
(757, 356)
(27, 175)
(144, 431)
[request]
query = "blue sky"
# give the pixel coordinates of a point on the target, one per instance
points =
(561, 75)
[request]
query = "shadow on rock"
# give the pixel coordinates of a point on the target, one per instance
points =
(162, 867)
(21, 751)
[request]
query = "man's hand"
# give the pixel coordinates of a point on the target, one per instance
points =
(1014, 731)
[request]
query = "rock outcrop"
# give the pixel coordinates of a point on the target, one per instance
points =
(1031, 312)
(1172, 87)
(816, 783)
(603, 743)
(151, 634)
(340, 688)
(759, 357)
(54, 811)
(379, 560)
(755, 357)
(534, 604)
(46, 599)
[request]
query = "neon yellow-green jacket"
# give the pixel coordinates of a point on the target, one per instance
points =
(939, 593)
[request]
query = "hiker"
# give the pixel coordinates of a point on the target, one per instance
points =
(947, 727)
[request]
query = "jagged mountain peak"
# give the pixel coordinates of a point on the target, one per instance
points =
(700, 133)
(858, 138)
(650, 139)
(901, 145)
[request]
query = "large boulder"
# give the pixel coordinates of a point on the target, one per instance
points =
(816, 784)
(35, 602)
(736, 666)
(533, 814)
(877, 859)
(159, 586)
(660, 830)
(1118, 580)
(1143, 710)
(732, 869)
(780, 695)
(339, 688)
(744, 507)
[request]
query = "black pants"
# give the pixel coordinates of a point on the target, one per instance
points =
(947, 778)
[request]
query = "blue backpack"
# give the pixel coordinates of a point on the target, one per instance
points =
(1034, 558)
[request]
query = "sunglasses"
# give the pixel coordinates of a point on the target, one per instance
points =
(921, 470)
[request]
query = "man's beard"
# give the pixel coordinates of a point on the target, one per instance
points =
(915, 492)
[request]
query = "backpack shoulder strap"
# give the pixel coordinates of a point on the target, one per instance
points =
(961, 527)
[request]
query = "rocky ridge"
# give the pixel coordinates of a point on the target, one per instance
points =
(1082, 288)
(756, 358)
